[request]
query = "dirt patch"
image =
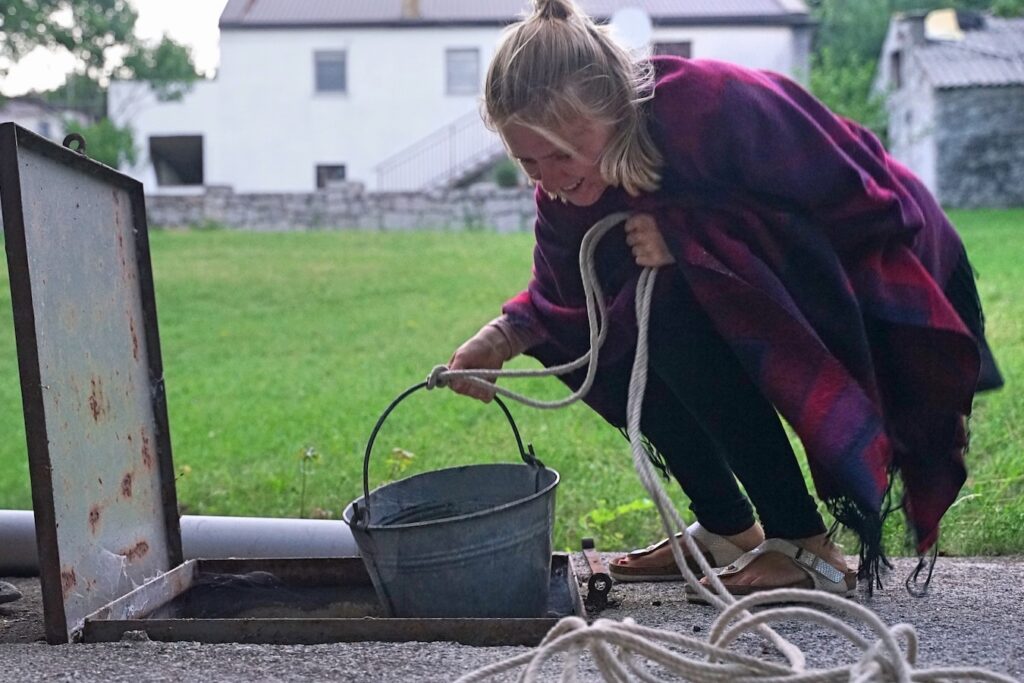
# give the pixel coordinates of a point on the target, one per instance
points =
(21, 621)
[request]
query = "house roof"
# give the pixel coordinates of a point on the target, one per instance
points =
(989, 56)
(26, 106)
(244, 14)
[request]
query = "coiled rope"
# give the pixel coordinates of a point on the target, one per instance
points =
(616, 645)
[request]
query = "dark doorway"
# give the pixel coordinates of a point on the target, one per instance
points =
(177, 159)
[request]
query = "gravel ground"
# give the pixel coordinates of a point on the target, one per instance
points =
(971, 617)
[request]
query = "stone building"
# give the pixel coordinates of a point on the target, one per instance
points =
(954, 87)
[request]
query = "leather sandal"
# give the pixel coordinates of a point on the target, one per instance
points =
(818, 573)
(717, 550)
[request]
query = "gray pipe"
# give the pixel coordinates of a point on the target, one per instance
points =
(201, 537)
(18, 556)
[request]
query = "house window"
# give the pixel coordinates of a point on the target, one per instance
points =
(463, 71)
(177, 159)
(896, 69)
(331, 76)
(679, 49)
(329, 173)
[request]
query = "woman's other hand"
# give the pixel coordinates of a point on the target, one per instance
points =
(488, 349)
(644, 238)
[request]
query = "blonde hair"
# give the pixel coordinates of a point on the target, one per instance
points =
(556, 66)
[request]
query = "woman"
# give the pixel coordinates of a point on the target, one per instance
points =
(804, 272)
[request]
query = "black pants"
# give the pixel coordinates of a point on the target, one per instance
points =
(713, 425)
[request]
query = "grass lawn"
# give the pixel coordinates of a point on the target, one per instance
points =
(281, 350)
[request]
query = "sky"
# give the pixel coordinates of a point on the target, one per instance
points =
(191, 22)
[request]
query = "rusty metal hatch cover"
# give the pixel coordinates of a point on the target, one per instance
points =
(100, 453)
(91, 377)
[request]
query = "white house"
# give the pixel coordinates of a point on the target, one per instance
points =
(386, 92)
(39, 116)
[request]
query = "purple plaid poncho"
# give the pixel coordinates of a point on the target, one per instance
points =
(820, 260)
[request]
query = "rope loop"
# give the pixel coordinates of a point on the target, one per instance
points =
(615, 645)
(437, 377)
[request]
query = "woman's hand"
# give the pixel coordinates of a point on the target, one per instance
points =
(643, 236)
(488, 349)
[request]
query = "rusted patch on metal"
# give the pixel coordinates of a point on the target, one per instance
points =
(68, 580)
(147, 450)
(94, 517)
(126, 485)
(98, 403)
(135, 552)
(135, 339)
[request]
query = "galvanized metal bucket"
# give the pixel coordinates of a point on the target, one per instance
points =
(471, 541)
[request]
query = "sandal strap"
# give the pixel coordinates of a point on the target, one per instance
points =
(640, 552)
(824, 575)
(722, 550)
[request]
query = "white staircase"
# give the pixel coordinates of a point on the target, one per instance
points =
(459, 150)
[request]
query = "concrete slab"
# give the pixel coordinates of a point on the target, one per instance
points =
(971, 617)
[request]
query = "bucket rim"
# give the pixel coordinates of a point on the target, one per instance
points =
(347, 514)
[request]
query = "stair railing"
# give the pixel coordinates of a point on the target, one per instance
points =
(442, 158)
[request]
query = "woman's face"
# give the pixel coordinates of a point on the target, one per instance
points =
(572, 174)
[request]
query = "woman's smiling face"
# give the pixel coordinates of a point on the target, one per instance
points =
(572, 174)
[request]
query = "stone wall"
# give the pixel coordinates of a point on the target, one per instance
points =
(979, 135)
(348, 206)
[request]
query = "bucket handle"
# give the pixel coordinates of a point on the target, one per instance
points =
(361, 514)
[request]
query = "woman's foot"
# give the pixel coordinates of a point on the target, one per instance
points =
(813, 562)
(656, 562)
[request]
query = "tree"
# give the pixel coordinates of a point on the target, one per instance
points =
(167, 67)
(23, 26)
(844, 85)
(88, 29)
(1008, 8)
(81, 93)
(100, 35)
(105, 141)
(93, 31)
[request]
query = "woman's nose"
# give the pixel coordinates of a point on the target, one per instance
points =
(547, 174)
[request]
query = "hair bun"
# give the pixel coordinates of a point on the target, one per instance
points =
(553, 9)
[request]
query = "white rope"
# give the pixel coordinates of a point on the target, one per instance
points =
(615, 645)
(596, 315)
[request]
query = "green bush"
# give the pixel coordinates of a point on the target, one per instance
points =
(105, 141)
(506, 174)
(843, 83)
